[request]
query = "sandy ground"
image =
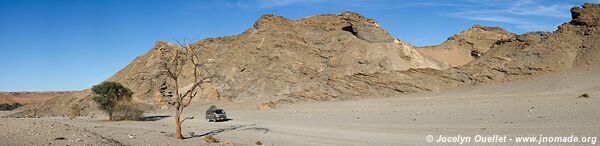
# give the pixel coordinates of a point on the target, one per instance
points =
(549, 105)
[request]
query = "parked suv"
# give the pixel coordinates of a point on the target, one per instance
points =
(214, 114)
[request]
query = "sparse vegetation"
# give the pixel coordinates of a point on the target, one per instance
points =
(75, 111)
(9, 107)
(584, 95)
(173, 66)
(210, 139)
(258, 142)
(267, 105)
(128, 111)
(115, 99)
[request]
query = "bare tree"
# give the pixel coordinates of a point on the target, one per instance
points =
(173, 67)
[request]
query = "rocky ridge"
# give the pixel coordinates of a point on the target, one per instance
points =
(470, 44)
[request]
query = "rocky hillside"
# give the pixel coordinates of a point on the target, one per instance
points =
(329, 57)
(574, 44)
(278, 57)
(470, 44)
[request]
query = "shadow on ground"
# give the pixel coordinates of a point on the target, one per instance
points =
(224, 120)
(153, 118)
(234, 128)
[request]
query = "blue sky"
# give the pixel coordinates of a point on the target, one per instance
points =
(49, 45)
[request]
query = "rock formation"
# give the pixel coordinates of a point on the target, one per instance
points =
(278, 57)
(470, 44)
(330, 57)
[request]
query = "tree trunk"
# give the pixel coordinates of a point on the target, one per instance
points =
(178, 134)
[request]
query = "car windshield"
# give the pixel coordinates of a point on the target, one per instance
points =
(219, 111)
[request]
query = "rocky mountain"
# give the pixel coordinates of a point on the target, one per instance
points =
(331, 57)
(279, 58)
(462, 48)
(574, 44)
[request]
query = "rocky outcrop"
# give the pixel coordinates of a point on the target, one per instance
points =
(586, 15)
(278, 57)
(470, 44)
(571, 46)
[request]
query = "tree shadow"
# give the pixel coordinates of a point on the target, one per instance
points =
(233, 128)
(153, 118)
(258, 129)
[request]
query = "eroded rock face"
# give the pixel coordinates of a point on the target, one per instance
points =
(586, 15)
(470, 44)
(279, 57)
(538, 52)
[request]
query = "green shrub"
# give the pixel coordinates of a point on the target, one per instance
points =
(114, 99)
(128, 111)
(9, 107)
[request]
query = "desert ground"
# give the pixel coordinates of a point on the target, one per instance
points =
(546, 105)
